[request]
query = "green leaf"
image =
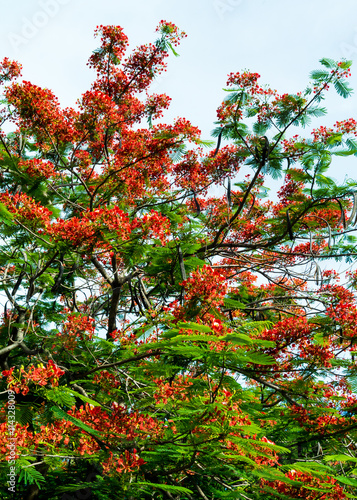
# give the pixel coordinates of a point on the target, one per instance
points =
(260, 128)
(83, 398)
(339, 458)
(233, 304)
(319, 74)
(194, 326)
(173, 332)
(5, 216)
(321, 339)
(264, 343)
(347, 480)
(237, 338)
(194, 338)
(62, 414)
(260, 359)
(317, 112)
(172, 49)
(345, 64)
(329, 63)
(342, 88)
(30, 475)
(60, 396)
(345, 152)
(74, 487)
(164, 487)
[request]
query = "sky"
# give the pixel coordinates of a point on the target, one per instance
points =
(282, 40)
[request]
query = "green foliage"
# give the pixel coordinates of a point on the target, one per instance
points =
(171, 329)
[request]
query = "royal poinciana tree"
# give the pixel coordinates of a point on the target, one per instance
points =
(163, 340)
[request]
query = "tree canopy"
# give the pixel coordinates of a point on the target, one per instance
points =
(170, 330)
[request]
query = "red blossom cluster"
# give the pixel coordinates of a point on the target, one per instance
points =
(76, 327)
(26, 209)
(317, 484)
(116, 425)
(114, 44)
(343, 311)
(38, 111)
(176, 389)
(323, 133)
(206, 285)
(171, 32)
(246, 80)
(145, 61)
(129, 461)
(291, 188)
(294, 147)
(91, 228)
(38, 168)
(155, 105)
(153, 225)
(84, 166)
(293, 336)
(40, 375)
(9, 70)
(74, 230)
(345, 73)
(106, 381)
(321, 423)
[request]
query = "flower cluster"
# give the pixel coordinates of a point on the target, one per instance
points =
(322, 133)
(26, 209)
(38, 168)
(76, 327)
(113, 46)
(171, 391)
(246, 80)
(106, 381)
(317, 484)
(290, 189)
(294, 336)
(206, 285)
(153, 225)
(39, 375)
(38, 111)
(171, 32)
(343, 311)
(9, 70)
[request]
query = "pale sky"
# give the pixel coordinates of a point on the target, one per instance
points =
(282, 40)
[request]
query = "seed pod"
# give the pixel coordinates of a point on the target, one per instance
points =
(310, 242)
(182, 264)
(343, 217)
(18, 282)
(229, 199)
(218, 143)
(317, 275)
(352, 217)
(198, 208)
(329, 241)
(137, 300)
(132, 304)
(290, 227)
(30, 291)
(252, 205)
(59, 279)
(265, 152)
(143, 295)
